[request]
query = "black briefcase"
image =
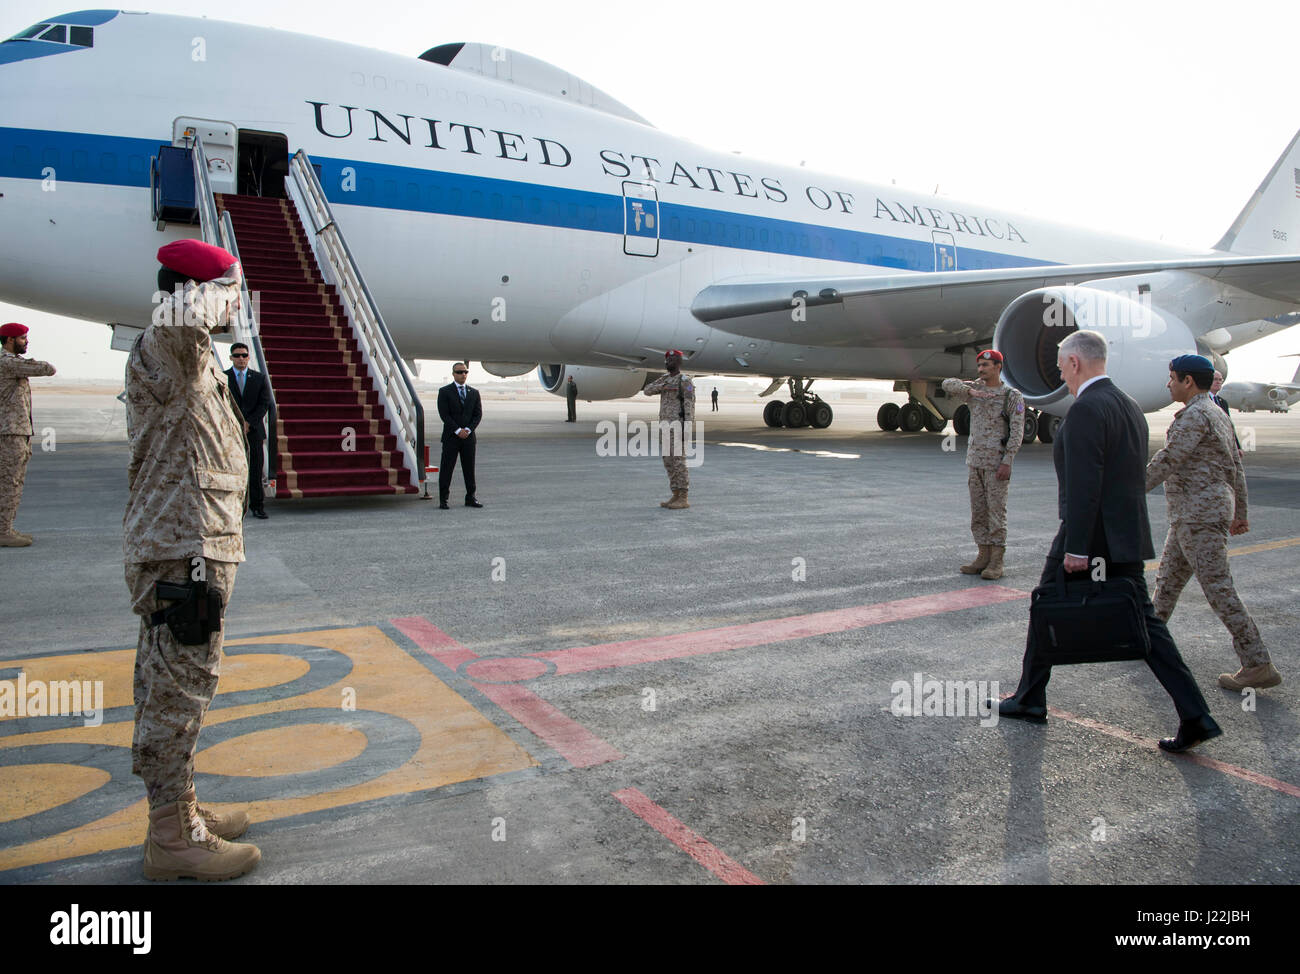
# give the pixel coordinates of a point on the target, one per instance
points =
(1088, 621)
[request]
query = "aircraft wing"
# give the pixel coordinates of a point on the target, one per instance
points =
(948, 307)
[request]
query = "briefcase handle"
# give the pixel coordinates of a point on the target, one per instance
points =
(1097, 586)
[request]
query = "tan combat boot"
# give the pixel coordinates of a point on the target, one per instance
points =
(678, 502)
(670, 500)
(13, 539)
(227, 825)
(180, 846)
(1261, 677)
(994, 569)
(979, 564)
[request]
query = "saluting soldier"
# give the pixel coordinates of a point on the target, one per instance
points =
(15, 427)
(676, 394)
(182, 540)
(997, 427)
(1205, 490)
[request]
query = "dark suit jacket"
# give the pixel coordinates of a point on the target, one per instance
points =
(1100, 454)
(457, 415)
(254, 403)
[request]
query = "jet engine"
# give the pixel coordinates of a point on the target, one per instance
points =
(593, 382)
(1141, 339)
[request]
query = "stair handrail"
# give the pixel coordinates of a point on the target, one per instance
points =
(221, 233)
(372, 334)
(248, 323)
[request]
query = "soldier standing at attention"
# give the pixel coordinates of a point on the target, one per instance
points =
(182, 540)
(997, 426)
(1205, 489)
(15, 427)
(676, 395)
(571, 394)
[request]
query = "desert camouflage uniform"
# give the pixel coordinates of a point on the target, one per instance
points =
(188, 479)
(989, 409)
(674, 414)
(1205, 489)
(15, 430)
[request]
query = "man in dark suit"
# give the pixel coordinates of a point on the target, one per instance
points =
(1100, 454)
(460, 409)
(253, 397)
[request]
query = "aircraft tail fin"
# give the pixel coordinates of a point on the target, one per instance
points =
(1270, 221)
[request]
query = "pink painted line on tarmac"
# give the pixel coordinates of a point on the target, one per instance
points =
(577, 745)
(656, 648)
(688, 840)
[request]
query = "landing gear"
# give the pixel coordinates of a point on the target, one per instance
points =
(911, 417)
(1047, 427)
(933, 423)
(1031, 426)
(961, 420)
(887, 416)
(805, 408)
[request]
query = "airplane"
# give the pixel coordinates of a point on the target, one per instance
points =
(499, 208)
(1276, 397)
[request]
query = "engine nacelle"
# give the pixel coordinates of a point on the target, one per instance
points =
(593, 383)
(1141, 338)
(508, 370)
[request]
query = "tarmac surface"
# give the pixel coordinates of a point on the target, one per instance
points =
(573, 685)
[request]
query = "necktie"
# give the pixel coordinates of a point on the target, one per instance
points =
(462, 393)
(240, 376)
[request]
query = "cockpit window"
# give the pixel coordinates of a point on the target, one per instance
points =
(82, 36)
(57, 33)
(31, 31)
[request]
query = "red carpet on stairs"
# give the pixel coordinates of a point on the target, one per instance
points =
(323, 390)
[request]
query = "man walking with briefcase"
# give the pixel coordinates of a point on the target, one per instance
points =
(1100, 457)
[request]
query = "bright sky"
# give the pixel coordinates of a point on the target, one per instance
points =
(1155, 120)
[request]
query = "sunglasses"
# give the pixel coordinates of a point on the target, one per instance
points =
(460, 371)
(239, 355)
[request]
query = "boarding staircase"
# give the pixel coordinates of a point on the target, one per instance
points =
(346, 420)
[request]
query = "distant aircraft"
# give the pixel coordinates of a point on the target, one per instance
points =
(504, 210)
(1277, 397)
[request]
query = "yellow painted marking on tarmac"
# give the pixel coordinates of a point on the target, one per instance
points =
(1245, 549)
(283, 750)
(36, 788)
(456, 742)
(105, 667)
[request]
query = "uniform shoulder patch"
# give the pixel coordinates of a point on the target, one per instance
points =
(1020, 406)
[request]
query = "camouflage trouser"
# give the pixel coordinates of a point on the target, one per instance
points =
(1203, 549)
(988, 506)
(15, 451)
(673, 451)
(174, 683)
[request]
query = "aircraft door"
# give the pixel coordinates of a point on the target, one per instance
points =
(219, 141)
(640, 219)
(945, 251)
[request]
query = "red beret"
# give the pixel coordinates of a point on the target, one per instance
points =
(672, 353)
(990, 355)
(195, 259)
(13, 330)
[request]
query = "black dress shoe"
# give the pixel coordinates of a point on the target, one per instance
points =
(442, 505)
(1190, 733)
(261, 515)
(1018, 711)
(472, 503)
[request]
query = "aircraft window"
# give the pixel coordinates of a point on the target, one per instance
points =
(535, 206)
(498, 201)
(58, 33)
(591, 216)
(690, 227)
(762, 236)
(390, 189)
(433, 193)
(749, 235)
(676, 227)
(517, 205)
(412, 192)
(31, 32)
(82, 36)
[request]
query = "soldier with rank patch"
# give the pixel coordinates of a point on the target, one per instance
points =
(1205, 489)
(997, 427)
(15, 427)
(676, 395)
(182, 540)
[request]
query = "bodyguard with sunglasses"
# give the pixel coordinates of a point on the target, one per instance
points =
(253, 398)
(461, 410)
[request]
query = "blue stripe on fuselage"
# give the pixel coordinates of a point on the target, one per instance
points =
(116, 160)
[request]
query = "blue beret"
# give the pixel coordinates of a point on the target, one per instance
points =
(1191, 363)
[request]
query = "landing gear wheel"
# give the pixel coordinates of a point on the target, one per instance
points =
(772, 412)
(911, 417)
(794, 415)
(961, 420)
(933, 423)
(1047, 427)
(887, 416)
(820, 415)
(1031, 426)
